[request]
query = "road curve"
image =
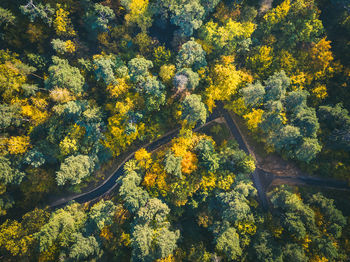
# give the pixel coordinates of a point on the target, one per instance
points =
(110, 183)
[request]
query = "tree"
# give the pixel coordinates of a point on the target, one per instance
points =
(307, 122)
(138, 12)
(45, 12)
(18, 144)
(167, 73)
(191, 55)
(13, 239)
(186, 79)
(62, 224)
(276, 85)
(83, 247)
(74, 169)
(193, 110)
(208, 158)
(287, 139)
(188, 15)
(227, 38)
(98, 17)
(173, 164)
(103, 67)
(296, 100)
(101, 214)
(9, 175)
(62, 47)
(151, 238)
(253, 94)
(133, 195)
(62, 75)
(6, 17)
(153, 91)
(34, 158)
(138, 68)
(62, 23)
(225, 81)
(227, 242)
(266, 248)
(10, 116)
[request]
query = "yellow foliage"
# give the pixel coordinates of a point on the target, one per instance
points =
(119, 88)
(70, 46)
(189, 163)
(106, 233)
(320, 92)
(167, 72)
(169, 258)
(277, 14)
(225, 182)
(18, 144)
(11, 78)
(68, 146)
(306, 242)
(139, 14)
(317, 258)
(143, 157)
(246, 228)
(36, 115)
(208, 182)
(61, 95)
(321, 58)
(62, 23)
(226, 80)
(125, 239)
(238, 106)
(298, 81)
(254, 118)
(262, 60)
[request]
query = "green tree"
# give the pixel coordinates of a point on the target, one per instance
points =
(188, 15)
(61, 74)
(138, 68)
(193, 110)
(253, 94)
(74, 169)
(44, 12)
(98, 17)
(6, 17)
(186, 79)
(191, 55)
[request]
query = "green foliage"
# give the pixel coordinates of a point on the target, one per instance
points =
(186, 79)
(191, 55)
(74, 169)
(6, 17)
(9, 175)
(61, 74)
(193, 110)
(98, 17)
(138, 68)
(44, 12)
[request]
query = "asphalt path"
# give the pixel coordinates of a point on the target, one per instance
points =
(110, 183)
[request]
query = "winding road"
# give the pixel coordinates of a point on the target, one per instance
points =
(261, 178)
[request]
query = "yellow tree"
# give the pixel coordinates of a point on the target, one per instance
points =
(18, 144)
(253, 119)
(225, 81)
(62, 23)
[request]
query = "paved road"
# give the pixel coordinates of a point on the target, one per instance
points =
(256, 175)
(261, 178)
(110, 183)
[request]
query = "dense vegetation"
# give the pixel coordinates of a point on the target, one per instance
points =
(84, 83)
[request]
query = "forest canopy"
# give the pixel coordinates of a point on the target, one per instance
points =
(174, 130)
